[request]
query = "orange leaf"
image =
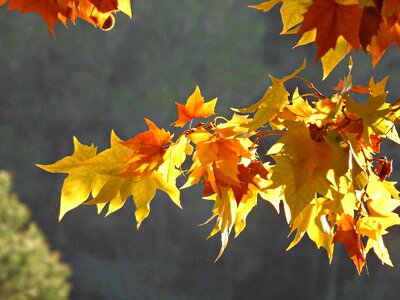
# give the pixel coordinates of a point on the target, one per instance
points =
(375, 143)
(369, 25)
(348, 235)
(96, 12)
(194, 108)
(47, 9)
(359, 89)
(247, 176)
(390, 7)
(148, 150)
(331, 20)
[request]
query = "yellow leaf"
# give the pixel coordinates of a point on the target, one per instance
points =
(380, 250)
(266, 6)
(125, 7)
(80, 181)
(143, 192)
(292, 12)
(76, 190)
(313, 222)
(373, 114)
(300, 167)
(334, 56)
(112, 161)
(225, 209)
(81, 154)
(273, 101)
(307, 38)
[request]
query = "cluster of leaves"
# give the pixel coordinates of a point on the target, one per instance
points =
(28, 268)
(96, 12)
(326, 172)
(337, 26)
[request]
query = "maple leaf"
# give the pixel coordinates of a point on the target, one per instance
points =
(233, 204)
(80, 181)
(194, 108)
(96, 12)
(384, 168)
(332, 19)
(291, 11)
(369, 26)
(373, 115)
(231, 175)
(142, 187)
(272, 102)
(100, 175)
(47, 9)
(348, 235)
(300, 167)
(148, 150)
(334, 55)
(360, 89)
(313, 222)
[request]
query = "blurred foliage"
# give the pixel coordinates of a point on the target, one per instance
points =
(28, 268)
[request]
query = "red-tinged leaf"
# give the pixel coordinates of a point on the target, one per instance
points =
(105, 5)
(194, 108)
(332, 20)
(359, 89)
(96, 12)
(388, 33)
(247, 176)
(348, 235)
(47, 9)
(389, 7)
(148, 150)
(317, 133)
(384, 168)
(375, 143)
(369, 25)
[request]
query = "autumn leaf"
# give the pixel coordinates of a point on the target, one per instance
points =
(300, 167)
(96, 12)
(372, 114)
(80, 181)
(369, 26)
(312, 221)
(332, 19)
(334, 56)
(291, 11)
(148, 150)
(272, 102)
(348, 235)
(194, 108)
(48, 10)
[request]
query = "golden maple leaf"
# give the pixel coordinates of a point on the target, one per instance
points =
(195, 107)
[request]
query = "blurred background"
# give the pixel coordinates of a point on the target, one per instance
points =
(87, 82)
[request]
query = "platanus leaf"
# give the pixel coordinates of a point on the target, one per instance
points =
(148, 149)
(348, 235)
(300, 166)
(80, 181)
(195, 107)
(332, 19)
(96, 12)
(272, 102)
